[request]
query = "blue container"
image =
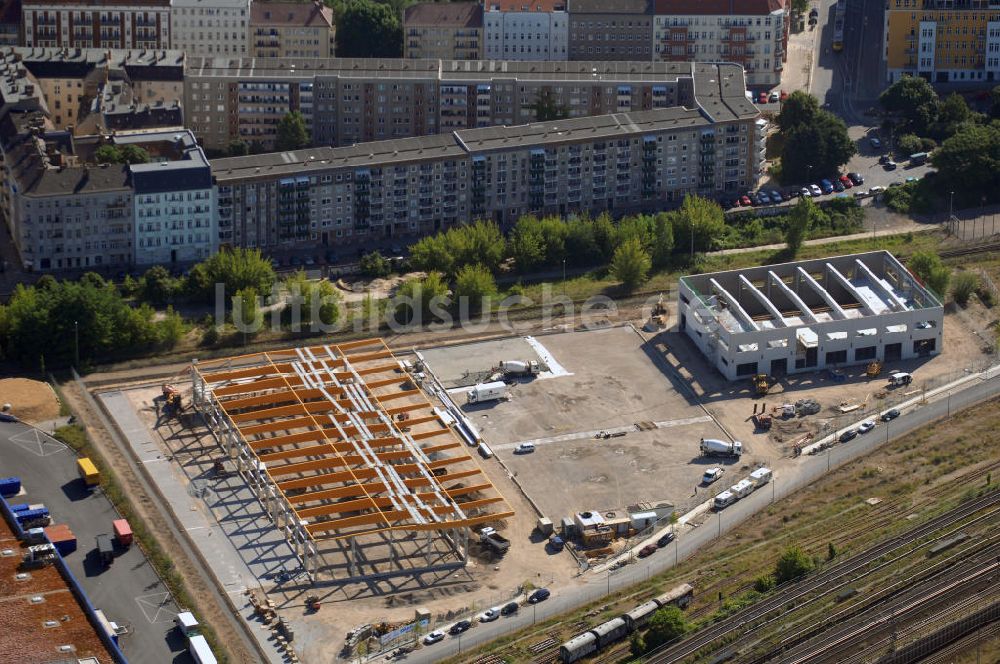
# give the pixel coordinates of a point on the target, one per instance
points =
(31, 515)
(65, 547)
(10, 486)
(19, 507)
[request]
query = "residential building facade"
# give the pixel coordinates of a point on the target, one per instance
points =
(211, 27)
(443, 31)
(610, 30)
(523, 30)
(135, 24)
(751, 33)
(942, 41)
(347, 101)
(623, 162)
(292, 30)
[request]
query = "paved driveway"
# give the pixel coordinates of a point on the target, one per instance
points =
(129, 591)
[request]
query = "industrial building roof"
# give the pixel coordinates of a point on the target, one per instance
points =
(444, 15)
(805, 293)
(350, 440)
(457, 145)
(39, 615)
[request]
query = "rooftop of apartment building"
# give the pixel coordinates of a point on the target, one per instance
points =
(123, 4)
(717, 7)
(146, 64)
(444, 15)
(225, 4)
(611, 7)
(291, 14)
(458, 144)
(949, 5)
(10, 11)
(798, 294)
(18, 88)
(40, 614)
(525, 5)
(119, 108)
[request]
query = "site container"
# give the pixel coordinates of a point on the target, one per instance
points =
(105, 549)
(88, 471)
(26, 516)
(19, 507)
(123, 532)
(10, 486)
(62, 538)
(200, 652)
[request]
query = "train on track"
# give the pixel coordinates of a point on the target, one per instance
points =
(618, 628)
(839, 17)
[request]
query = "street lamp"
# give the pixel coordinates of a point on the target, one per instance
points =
(809, 172)
(951, 206)
(564, 269)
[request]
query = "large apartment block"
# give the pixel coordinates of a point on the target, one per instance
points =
(942, 40)
(211, 27)
(127, 24)
(348, 101)
(443, 31)
(610, 30)
(526, 30)
(620, 162)
(292, 30)
(751, 33)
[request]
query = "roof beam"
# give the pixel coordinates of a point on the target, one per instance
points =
(738, 311)
(823, 293)
(807, 313)
(764, 300)
(895, 302)
(846, 283)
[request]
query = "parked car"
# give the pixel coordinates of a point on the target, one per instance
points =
(762, 98)
(295, 261)
(763, 198)
(856, 178)
(875, 143)
(884, 159)
(539, 595)
(711, 475)
(912, 179)
(524, 448)
(890, 165)
(890, 414)
(877, 189)
(804, 192)
(826, 186)
(850, 434)
(509, 608)
(745, 200)
(433, 637)
(460, 626)
(310, 260)
(666, 539)
(776, 196)
(846, 181)
(838, 186)
(648, 550)
(866, 426)
(792, 193)
(815, 190)
(489, 615)
(773, 98)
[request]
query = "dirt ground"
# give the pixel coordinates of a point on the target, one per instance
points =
(31, 401)
(357, 291)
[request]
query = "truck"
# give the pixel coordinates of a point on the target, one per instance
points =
(88, 471)
(742, 489)
(760, 477)
(519, 367)
(199, 650)
(186, 623)
(712, 447)
(105, 549)
(483, 392)
(490, 537)
(900, 378)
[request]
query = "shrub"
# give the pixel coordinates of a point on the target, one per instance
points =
(375, 265)
(793, 564)
(963, 285)
(763, 583)
(909, 144)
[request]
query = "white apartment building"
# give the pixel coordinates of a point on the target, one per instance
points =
(522, 30)
(211, 27)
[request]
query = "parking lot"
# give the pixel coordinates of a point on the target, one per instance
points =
(608, 386)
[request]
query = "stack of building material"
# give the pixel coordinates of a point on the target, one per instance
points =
(62, 538)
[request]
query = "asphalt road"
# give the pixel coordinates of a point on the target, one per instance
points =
(128, 591)
(711, 527)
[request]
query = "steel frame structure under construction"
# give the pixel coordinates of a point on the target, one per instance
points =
(343, 450)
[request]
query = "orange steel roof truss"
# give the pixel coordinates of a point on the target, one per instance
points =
(351, 450)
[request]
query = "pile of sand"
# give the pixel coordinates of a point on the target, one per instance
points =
(30, 400)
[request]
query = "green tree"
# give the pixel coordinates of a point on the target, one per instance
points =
(157, 286)
(235, 269)
(927, 266)
(527, 244)
(448, 251)
(581, 244)
(637, 645)
(800, 6)
(247, 316)
(823, 145)
(968, 163)
(799, 221)
(108, 154)
(375, 265)
(995, 102)
(238, 148)
(793, 564)
(547, 108)
(952, 112)
(292, 133)
(663, 239)
(913, 100)
(763, 583)
(799, 109)
(909, 144)
(419, 301)
(133, 154)
(831, 551)
(666, 625)
(367, 29)
(704, 218)
(171, 328)
(963, 285)
(630, 264)
(476, 284)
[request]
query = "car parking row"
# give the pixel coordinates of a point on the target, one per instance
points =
(776, 197)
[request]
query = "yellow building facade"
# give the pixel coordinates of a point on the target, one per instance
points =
(944, 41)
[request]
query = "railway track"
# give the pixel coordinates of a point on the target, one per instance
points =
(747, 617)
(967, 251)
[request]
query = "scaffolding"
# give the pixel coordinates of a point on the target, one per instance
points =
(339, 445)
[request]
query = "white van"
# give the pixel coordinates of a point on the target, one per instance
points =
(711, 475)
(900, 378)
(724, 500)
(485, 451)
(524, 448)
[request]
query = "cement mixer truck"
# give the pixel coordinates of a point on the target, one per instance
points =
(519, 367)
(711, 447)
